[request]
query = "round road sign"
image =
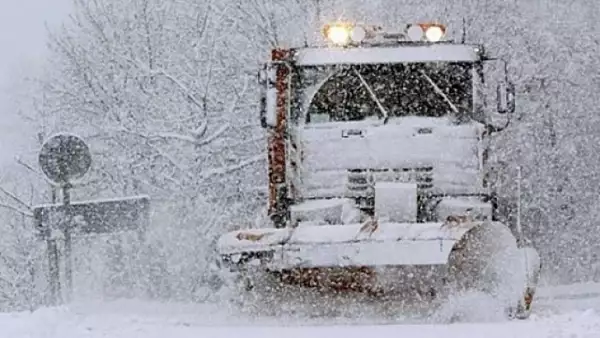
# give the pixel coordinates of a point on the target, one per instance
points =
(64, 158)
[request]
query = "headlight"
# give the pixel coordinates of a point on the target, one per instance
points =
(358, 34)
(338, 34)
(343, 33)
(434, 33)
(426, 32)
(415, 32)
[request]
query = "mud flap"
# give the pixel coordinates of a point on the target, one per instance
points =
(533, 268)
(523, 309)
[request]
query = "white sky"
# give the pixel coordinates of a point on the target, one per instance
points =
(22, 43)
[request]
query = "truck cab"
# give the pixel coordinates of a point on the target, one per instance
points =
(372, 113)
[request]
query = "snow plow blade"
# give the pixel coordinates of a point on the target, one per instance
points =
(347, 245)
(391, 261)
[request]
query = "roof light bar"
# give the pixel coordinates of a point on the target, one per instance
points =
(347, 33)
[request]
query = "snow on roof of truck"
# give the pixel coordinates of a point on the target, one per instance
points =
(397, 54)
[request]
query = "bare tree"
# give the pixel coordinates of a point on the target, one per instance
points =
(163, 98)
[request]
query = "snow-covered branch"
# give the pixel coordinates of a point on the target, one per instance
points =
(15, 198)
(17, 210)
(209, 173)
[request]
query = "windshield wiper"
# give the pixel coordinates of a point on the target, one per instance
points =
(439, 91)
(373, 96)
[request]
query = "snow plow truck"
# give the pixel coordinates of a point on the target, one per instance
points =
(379, 182)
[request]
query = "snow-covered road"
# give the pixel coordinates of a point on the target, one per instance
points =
(67, 324)
(571, 311)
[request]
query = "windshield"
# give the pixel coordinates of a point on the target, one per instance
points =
(359, 92)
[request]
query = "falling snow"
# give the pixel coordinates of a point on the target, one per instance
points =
(165, 94)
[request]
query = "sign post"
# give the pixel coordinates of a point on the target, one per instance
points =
(65, 158)
(68, 243)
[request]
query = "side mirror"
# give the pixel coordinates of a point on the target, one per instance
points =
(268, 96)
(261, 76)
(263, 111)
(505, 97)
(510, 97)
(261, 79)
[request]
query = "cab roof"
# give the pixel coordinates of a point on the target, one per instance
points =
(398, 53)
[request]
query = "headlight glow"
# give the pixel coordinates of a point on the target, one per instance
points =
(338, 34)
(434, 33)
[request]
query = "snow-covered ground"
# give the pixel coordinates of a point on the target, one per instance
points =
(570, 311)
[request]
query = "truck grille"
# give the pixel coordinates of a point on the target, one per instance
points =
(361, 182)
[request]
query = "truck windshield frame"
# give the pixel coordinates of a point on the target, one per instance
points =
(334, 93)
